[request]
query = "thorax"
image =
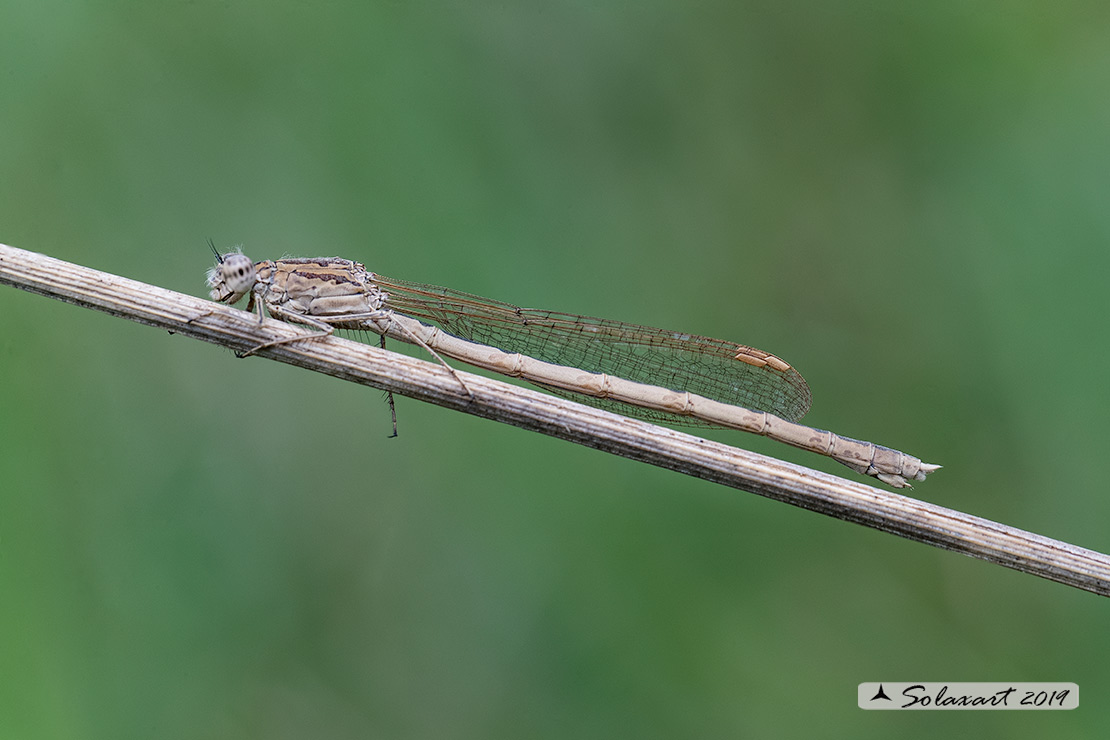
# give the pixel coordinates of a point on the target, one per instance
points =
(326, 286)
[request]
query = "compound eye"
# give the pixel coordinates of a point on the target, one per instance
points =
(238, 273)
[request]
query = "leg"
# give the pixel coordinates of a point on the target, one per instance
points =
(373, 320)
(387, 316)
(389, 394)
(325, 328)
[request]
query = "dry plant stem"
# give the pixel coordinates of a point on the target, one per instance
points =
(493, 399)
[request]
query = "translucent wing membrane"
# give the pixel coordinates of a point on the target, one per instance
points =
(723, 371)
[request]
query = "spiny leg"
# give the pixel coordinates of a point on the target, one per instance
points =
(387, 316)
(389, 394)
(372, 320)
(325, 328)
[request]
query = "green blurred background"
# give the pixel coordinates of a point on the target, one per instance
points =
(907, 203)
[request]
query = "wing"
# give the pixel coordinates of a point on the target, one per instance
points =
(731, 373)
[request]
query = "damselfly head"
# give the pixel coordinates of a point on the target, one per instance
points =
(231, 278)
